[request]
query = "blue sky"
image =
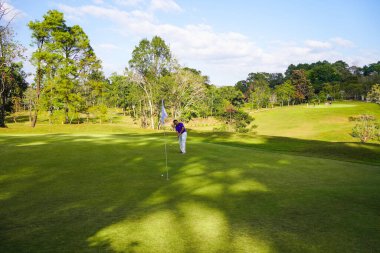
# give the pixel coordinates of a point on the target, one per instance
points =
(224, 39)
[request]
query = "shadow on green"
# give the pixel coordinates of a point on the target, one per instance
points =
(106, 193)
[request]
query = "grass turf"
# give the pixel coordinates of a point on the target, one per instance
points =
(323, 122)
(105, 193)
(77, 189)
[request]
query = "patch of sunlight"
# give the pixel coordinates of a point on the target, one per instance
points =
(361, 145)
(137, 159)
(247, 186)
(244, 243)
(156, 232)
(232, 174)
(193, 169)
(268, 165)
(207, 228)
(142, 143)
(18, 174)
(212, 190)
(155, 199)
(189, 183)
(324, 106)
(283, 162)
(109, 209)
(35, 143)
(5, 195)
(83, 140)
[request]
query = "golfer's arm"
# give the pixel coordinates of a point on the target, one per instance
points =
(182, 130)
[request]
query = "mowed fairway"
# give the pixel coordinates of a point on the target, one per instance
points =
(86, 191)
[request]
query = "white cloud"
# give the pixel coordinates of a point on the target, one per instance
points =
(98, 1)
(318, 44)
(165, 5)
(11, 12)
(128, 2)
(342, 42)
(226, 56)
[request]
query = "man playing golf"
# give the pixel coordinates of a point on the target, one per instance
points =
(182, 135)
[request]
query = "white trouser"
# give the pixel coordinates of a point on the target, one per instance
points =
(182, 142)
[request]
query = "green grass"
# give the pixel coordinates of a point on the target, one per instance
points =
(92, 188)
(326, 123)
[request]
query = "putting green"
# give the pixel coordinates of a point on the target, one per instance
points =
(105, 193)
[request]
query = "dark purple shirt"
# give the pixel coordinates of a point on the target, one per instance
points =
(179, 127)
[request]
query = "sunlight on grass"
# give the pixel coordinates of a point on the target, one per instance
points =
(189, 227)
(148, 234)
(247, 186)
(245, 243)
(211, 190)
(230, 174)
(362, 145)
(334, 105)
(90, 192)
(5, 195)
(207, 227)
(36, 143)
(17, 174)
(283, 162)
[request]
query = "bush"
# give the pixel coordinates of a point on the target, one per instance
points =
(100, 112)
(366, 128)
(238, 119)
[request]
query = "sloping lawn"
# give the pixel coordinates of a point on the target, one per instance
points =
(108, 193)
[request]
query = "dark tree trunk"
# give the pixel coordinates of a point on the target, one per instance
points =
(38, 90)
(2, 112)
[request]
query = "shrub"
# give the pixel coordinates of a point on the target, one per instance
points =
(366, 128)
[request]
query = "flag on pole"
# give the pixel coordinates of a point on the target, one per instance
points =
(164, 115)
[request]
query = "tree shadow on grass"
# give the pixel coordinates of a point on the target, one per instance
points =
(62, 193)
(19, 119)
(345, 151)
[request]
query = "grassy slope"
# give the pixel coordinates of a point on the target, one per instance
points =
(96, 192)
(325, 123)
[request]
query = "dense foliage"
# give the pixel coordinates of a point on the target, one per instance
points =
(312, 83)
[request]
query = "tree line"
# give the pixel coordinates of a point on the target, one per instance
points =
(311, 83)
(71, 87)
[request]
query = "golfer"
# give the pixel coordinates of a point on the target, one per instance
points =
(182, 135)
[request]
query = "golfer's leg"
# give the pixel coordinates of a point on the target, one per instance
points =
(183, 147)
(180, 142)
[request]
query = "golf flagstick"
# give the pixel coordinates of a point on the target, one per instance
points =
(163, 116)
(166, 157)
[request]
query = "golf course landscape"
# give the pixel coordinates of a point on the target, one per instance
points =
(168, 126)
(301, 183)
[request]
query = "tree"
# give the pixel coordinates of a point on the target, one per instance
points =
(374, 94)
(261, 93)
(185, 91)
(12, 80)
(119, 90)
(304, 90)
(30, 99)
(372, 69)
(150, 61)
(42, 57)
(285, 92)
(243, 86)
(232, 95)
(64, 61)
(236, 118)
